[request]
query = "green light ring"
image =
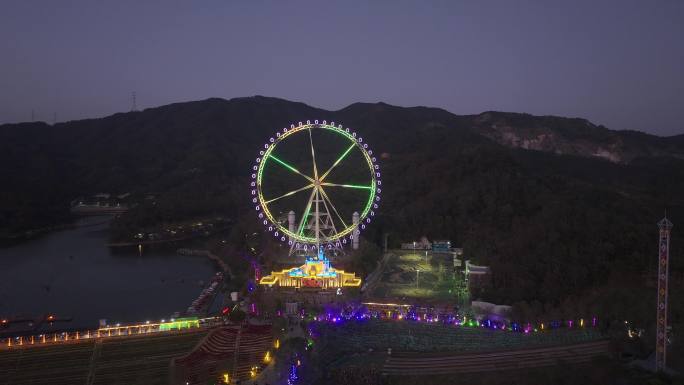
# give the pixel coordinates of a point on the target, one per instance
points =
(349, 229)
(371, 167)
(262, 206)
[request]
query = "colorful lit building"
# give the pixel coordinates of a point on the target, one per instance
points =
(315, 273)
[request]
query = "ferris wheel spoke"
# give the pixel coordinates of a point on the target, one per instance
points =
(289, 167)
(327, 198)
(302, 222)
(344, 155)
(347, 186)
(313, 156)
(332, 222)
(287, 194)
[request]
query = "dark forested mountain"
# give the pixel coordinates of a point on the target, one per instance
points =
(551, 222)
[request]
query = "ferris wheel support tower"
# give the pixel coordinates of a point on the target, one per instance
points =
(320, 222)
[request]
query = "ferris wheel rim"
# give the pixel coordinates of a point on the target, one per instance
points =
(349, 231)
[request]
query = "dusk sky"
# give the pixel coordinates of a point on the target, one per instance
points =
(616, 63)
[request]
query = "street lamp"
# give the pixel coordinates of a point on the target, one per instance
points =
(426, 257)
(417, 276)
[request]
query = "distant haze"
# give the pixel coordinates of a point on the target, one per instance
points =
(616, 63)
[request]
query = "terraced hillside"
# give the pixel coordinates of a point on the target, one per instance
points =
(142, 360)
(232, 350)
(129, 361)
(58, 365)
(421, 337)
(432, 364)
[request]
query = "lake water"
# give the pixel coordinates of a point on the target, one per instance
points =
(73, 273)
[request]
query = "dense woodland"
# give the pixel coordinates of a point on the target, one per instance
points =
(556, 229)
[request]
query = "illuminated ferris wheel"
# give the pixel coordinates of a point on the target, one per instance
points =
(316, 185)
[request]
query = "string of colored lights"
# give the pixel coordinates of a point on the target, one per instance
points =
(410, 315)
(140, 329)
(292, 376)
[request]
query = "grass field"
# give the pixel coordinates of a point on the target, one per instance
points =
(136, 360)
(410, 275)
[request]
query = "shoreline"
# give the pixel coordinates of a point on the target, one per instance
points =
(32, 234)
(213, 257)
(166, 240)
(150, 242)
